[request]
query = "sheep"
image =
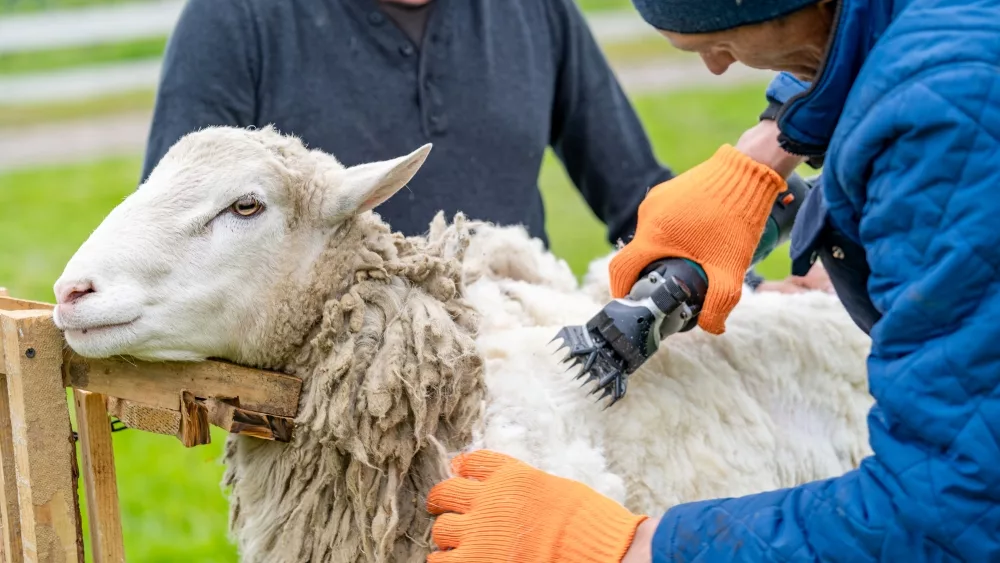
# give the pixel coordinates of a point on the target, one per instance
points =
(247, 246)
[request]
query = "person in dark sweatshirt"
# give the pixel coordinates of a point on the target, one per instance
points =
(491, 84)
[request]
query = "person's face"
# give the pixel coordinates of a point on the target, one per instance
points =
(795, 44)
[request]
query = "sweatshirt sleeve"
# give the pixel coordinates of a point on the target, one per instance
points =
(595, 131)
(931, 491)
(208, 77)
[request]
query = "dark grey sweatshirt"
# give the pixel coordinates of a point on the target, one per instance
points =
(491, 83)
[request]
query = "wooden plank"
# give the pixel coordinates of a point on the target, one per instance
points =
(224, 413)
(233, 419)
(11, 304)
(144, 417)
(10, 517)
(98, 468)
(194, 422)
(159, 384)
(44, 451)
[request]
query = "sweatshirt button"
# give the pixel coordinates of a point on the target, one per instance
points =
(375, 18)
(438, 124)
(406, 50)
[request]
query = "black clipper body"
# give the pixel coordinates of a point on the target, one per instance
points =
(667, 298)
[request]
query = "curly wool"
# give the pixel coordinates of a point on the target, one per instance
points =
(395, 382)
(392, 382)
(779, 400)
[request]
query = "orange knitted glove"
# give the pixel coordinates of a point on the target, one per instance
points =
(714, 214)
(501, 510)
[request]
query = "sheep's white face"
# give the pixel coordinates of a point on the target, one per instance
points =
(182, 267)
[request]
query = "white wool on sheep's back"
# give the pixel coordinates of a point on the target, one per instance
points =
(779, 399)
(413, 348)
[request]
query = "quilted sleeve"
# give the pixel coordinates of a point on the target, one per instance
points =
(929, 155)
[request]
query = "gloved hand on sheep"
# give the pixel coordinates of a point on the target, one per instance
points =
(899, 96)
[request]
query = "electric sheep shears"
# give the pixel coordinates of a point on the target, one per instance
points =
(666, 299)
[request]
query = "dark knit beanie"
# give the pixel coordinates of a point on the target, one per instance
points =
(706, 16)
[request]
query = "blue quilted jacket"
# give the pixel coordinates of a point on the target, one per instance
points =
(906, 111)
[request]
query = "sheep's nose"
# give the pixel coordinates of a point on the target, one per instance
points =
(70, 293)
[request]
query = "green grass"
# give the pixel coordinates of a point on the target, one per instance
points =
(172, 506)
(27, 6)
(20, 115)
(642, 49)
(69, 57)
(604, 5)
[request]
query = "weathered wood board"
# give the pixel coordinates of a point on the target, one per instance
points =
(46, 470)
(98, 467)
(159, 384)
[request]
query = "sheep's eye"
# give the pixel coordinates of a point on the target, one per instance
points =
(247, 206)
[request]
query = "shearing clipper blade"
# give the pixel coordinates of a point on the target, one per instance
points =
(590, 352)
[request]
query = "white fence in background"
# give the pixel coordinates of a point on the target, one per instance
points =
(113, 23)
(126, 134)
(116, 23)
(153, 18)
(79, 83)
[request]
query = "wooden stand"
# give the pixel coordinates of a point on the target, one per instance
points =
(40, 510)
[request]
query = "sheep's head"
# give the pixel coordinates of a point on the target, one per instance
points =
(184, 268)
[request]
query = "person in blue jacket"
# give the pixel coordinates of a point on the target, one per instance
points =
(901, 98)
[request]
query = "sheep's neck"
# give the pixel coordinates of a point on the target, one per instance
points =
(392, 379)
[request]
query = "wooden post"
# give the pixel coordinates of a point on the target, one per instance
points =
(9, 512)
(98, 468)
(46, 471)
(10, 516)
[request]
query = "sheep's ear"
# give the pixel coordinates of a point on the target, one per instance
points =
(365, 186)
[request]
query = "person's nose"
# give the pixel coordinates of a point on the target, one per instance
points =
(717, 62)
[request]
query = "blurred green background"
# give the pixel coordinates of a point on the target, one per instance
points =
(52, 196)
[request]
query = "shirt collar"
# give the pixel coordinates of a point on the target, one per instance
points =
(808, 119)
